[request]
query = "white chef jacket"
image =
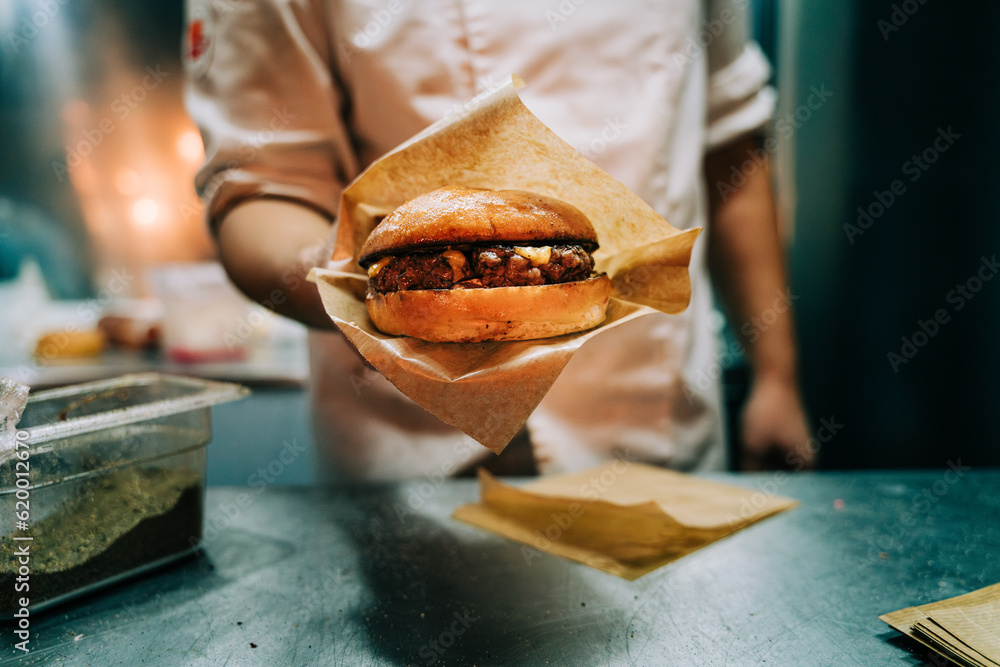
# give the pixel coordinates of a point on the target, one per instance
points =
(295, 97)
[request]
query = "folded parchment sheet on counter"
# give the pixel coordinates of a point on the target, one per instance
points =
(964, 629)
(622, 517)
(494, 142)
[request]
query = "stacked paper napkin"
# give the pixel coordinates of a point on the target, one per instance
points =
(964, 629)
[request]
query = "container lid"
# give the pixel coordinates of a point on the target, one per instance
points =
(54, 414)
(84, 429)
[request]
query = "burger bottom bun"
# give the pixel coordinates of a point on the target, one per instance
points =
(492, 313)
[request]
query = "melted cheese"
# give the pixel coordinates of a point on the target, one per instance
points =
(377, 266)
(457, 262)
(535, 255)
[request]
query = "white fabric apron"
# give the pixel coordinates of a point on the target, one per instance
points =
(295, 97)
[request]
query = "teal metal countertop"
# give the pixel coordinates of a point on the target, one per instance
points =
(381, 575)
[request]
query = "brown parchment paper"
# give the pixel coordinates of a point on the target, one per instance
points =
(488, 390)
(965, 629)
(622, 517)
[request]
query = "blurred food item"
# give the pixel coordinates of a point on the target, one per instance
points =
(133, 333)
(205, 319)
(70, 343)
(133, 324)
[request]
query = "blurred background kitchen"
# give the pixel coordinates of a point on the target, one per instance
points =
(885, 169)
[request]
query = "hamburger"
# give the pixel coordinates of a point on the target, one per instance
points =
(465, 265)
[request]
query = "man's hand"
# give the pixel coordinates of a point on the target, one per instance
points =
(775, 430)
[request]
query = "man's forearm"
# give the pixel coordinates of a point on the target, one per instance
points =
(746, 259)
(267, 247)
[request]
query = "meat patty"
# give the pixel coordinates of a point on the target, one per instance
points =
(479, 266)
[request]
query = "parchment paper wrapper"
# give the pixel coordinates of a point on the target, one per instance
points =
(964, 629)
(624, 518)
(488, 390)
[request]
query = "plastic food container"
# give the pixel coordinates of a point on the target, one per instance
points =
(115, 484)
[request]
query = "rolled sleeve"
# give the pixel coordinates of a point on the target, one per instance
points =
(262, 92)
(739, 99)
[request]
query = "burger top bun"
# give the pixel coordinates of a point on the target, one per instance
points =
(455, 215)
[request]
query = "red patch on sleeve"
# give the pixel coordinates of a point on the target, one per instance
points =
(196, 39)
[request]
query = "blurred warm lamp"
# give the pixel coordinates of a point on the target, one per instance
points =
(144, 211)
(132, 167)
(190, 148)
